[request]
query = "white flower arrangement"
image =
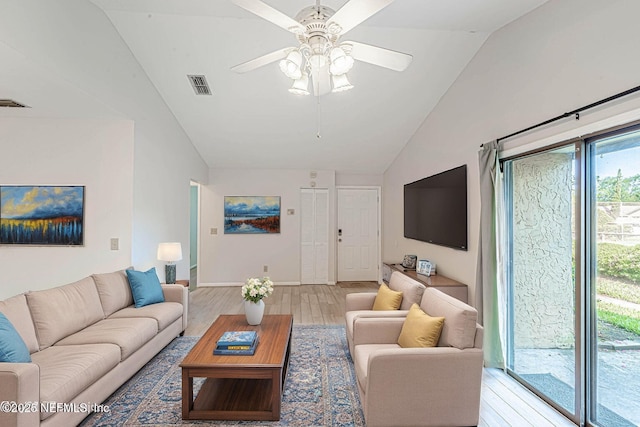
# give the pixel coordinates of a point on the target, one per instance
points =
(255, 288)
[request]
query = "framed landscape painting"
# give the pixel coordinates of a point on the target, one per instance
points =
(251, 214)
(42, 215)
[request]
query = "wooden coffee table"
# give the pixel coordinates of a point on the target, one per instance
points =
(238, 387)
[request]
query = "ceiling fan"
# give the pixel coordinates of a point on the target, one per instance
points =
(320, 55)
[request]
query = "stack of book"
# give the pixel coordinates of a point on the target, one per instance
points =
(237, 342)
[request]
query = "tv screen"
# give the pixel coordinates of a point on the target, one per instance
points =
(435, 209)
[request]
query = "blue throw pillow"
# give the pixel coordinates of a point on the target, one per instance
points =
(12, 347)
(145, 287)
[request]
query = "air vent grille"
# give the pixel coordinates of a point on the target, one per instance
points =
(11, 103)
(200, 85)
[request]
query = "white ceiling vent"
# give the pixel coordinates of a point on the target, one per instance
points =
(11, 103)
(200, 85)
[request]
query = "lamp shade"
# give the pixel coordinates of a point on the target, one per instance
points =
(301, 86)
(340, 62)
(171, 251)
(340, 83)
(291, 66)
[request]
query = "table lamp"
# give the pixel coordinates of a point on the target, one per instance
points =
(170, 252)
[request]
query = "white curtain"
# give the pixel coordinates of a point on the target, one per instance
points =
(490, 283)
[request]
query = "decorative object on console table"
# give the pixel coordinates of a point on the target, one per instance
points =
(424, 267)
(253, 291)
(409, 261)
(170, 252)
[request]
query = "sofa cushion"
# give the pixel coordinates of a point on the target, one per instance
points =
(165, 313)
(114, 291)
(12, 347)
(145, 287)
(386, 299)
(411, 289)
(351, 316)
(459, 329)
(65, 371)
(361, 360)
(17, 311)
(61, 311)
(128, 334)
(420, 329)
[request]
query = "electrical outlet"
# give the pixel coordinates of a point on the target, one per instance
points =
(265, 268)
(115, 243)
(214, 231)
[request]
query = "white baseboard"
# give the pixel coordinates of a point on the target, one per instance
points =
(227, 284)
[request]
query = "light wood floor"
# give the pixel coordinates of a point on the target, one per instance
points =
(504, 401)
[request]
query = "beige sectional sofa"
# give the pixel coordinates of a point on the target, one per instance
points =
(434, 386)
(86, 339)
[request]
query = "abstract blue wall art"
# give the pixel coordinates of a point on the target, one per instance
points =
(251, 214)
(42, 215)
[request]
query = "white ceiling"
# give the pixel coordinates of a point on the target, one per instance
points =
(251, 120)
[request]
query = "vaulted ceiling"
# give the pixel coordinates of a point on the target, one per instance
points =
(251, 120)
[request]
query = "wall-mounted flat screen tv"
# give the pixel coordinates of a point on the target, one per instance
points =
(435, 209)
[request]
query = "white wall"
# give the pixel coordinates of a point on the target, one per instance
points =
(75, 41)
(561, 56)
(95, 153)
(231, 258)
(359, 179)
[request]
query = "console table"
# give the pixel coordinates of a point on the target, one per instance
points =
(442, 283)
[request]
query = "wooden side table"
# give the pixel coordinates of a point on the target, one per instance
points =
(184, 283)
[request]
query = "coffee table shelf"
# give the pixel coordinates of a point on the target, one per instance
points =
(238, 387)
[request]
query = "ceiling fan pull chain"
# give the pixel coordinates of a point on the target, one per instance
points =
(318, 123)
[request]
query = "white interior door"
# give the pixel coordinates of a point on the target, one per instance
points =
(314, 236)
(358, 235)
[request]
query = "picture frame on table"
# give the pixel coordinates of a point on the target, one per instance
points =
(424, 267)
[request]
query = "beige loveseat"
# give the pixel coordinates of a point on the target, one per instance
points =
(360, 304)
(436, 386)
(86, 339)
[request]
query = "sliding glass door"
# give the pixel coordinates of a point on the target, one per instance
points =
(615, 279)
(574, 276)
(542, 344)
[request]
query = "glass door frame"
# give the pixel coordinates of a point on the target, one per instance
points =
(585, 318)
(579, 317)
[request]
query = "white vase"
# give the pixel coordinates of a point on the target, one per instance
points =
(254, 312)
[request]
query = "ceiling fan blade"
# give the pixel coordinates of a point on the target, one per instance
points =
(321, 81)
(261, 61)
(379, 56)
(272, 15)
(356, 11)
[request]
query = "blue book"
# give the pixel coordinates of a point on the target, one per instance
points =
(237, 339)
(238, 350)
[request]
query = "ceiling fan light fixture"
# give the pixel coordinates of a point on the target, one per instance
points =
(317, 61)
(291, 66)
(340, 83)
(301, 85)
(341, 63)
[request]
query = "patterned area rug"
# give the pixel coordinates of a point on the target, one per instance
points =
(320, 388)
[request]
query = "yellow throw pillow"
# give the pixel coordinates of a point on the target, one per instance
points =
(420, 329)
(386, 299)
